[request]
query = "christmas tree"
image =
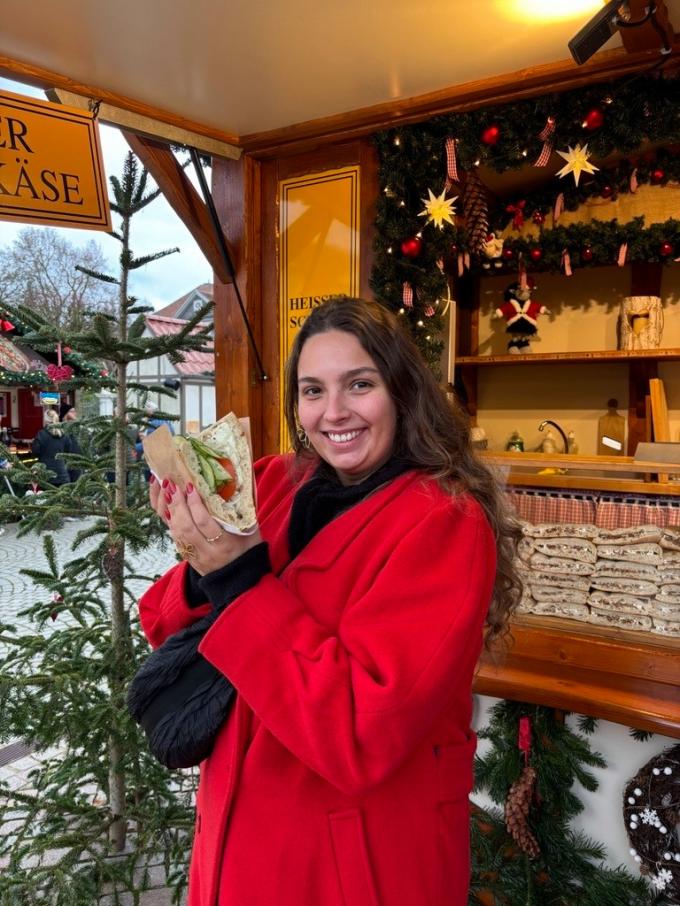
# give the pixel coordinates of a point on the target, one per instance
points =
(102, 807)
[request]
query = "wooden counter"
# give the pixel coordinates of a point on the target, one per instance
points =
(631, 678)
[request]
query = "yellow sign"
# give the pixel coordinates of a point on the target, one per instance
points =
(319, 248)
(51, 168)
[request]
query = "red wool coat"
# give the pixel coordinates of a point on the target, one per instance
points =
(341, 777)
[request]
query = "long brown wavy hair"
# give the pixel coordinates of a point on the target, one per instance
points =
(432, 432)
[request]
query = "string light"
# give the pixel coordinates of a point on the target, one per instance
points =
(401, 311)
(389, 249)
(402, 203)
(524, 152)
(397, 141)
(421, 324)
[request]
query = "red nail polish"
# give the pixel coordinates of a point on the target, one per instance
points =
(164, 483)
(173, 487)
(152, 478)
(168, 515)
(168, 497)
(190, 488)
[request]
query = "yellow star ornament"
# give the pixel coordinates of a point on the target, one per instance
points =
(577, 162)
(438, 209)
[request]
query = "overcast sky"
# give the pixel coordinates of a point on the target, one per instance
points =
(156, 227)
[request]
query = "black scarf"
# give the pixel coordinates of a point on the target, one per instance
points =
(323, 497)
(179, 699)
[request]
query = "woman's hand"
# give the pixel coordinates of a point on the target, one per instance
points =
(197, 536)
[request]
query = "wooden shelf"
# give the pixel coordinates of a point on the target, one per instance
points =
(626, 677)
(613, 474)
(567, 358)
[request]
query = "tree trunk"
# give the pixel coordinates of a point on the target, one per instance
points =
(119, 622)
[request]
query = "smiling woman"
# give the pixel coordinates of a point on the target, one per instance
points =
(349, 625)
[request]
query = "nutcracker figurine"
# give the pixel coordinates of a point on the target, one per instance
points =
(520, 312)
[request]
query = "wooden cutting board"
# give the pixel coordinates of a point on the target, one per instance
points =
(611, 433)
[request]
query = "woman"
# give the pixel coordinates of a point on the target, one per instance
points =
(48, 444)
(341, 776)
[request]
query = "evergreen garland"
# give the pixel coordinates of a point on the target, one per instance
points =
(569, 867)
(412, 159)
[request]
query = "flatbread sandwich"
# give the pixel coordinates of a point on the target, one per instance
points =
(217, 462)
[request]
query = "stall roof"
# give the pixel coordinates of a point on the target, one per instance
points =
(250, 66)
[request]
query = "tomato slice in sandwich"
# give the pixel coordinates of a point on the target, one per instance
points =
(226, 490)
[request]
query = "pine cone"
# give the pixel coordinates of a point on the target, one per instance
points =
(475, 211)
(516, 810)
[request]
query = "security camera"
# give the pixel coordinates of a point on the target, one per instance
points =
(595, 33)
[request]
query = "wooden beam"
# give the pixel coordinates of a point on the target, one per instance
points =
(46, 78)
(646, 37)
(146, 125)
(182, 197)
(236, 187)
(525, 83)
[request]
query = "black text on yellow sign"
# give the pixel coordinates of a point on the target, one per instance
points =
(51, 168)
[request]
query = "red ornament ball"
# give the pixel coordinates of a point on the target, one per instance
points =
(103, 373)
(491, 135)
(665, 249)
(412, 247)
(658, 175)
(508, 253)
(606, 191)
(536, 253)
(593, 119)
(67, 349)
(586, 253)
(538, 218)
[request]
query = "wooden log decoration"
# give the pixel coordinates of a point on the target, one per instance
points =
(640, 323)
(651, 812)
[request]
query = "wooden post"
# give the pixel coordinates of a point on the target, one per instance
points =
(238, 387)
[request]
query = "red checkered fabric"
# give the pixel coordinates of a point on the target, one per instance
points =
(537, 506)
(627, 512)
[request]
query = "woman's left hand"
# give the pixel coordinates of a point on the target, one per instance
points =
(197, 536)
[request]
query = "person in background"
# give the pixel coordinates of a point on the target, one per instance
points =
(349, 624)
(68, 415)
(48, 445)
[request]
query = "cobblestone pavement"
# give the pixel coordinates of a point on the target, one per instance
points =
(17, 593)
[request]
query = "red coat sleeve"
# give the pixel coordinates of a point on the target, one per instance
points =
(353, 703)
(163, 609)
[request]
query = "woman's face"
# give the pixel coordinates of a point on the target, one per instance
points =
(344, 405)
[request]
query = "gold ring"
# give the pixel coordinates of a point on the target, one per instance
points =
(215, 538)
(186, 551)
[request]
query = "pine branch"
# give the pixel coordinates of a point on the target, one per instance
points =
(136, 263)
(97, 275)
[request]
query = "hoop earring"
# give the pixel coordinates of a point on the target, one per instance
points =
(301, 433)
(302, 437)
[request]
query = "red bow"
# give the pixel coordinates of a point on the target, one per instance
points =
(6, 326)
(517, 210)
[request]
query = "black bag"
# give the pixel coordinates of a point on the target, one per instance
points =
(179, 699)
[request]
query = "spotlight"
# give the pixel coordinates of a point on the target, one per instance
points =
(595, 33)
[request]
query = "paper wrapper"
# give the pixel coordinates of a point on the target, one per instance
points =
(162, 459)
